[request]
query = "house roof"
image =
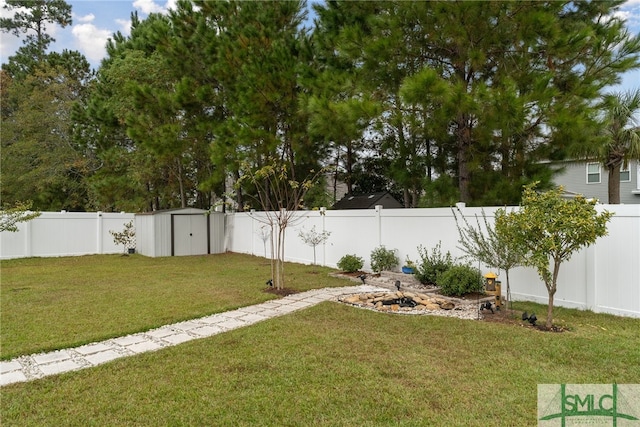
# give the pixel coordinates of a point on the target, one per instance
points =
(368, 201)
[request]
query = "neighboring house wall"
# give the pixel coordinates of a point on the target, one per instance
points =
(592, 181)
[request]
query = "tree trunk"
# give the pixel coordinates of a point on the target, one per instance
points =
(349, 169)
(406, 197)
(549, 322)
(614, 183)
(273, 252)
(335, 178)
(277, 282)
(508, 289)
(464, 144)
(552, 291)
(239, 198)
(183, 196)
(281, 258)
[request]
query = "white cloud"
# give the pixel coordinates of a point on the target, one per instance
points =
(124, 26)
(622, 14)
(8, 46)
(87, 18)
(171, 4)
(8, 43)
(148, 6)
(91, 40)
(630, 12)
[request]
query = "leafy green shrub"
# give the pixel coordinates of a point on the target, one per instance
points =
(350, 263)
(383, 259)
(430, 266)
(460, 280)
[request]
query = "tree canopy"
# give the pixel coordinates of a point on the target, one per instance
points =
(548, 230)
(436, 102)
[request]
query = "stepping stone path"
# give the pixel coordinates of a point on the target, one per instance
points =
(34, 366)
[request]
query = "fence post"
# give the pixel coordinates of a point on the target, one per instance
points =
(28, 248)
(378, 209)
(323, 212)
(99, 225)
(590, 273)
(252, 214)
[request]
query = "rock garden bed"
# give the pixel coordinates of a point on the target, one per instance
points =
(416, 298)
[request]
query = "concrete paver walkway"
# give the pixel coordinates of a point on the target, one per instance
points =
(31, 367)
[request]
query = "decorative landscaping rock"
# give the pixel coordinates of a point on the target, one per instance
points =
(396, 301)
(447, 306)
(411, 298)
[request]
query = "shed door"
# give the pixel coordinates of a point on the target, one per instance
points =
(190, 235)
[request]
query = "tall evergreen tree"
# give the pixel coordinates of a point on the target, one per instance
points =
(498, 86)
(140, 129)
(31, 18)
(376, 45)
(257, 53)
(39, 158)
(39, 155)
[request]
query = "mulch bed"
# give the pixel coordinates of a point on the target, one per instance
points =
(514, 317)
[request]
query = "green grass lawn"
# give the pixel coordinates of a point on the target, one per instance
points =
(51, 303)
(335, 365)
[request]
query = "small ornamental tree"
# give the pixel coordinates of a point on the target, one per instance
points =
(488, 246)
(280, 197)
(265, 234)
(548, 230)
(314, 238)
(19, 212)
(126, 237)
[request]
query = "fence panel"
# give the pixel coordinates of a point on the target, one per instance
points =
(615, 262)
(64, 234)
(604, 277)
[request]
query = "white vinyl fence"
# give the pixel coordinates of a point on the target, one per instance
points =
(604, 277)
(64, 233)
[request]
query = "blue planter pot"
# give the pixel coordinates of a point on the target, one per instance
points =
(407, 270)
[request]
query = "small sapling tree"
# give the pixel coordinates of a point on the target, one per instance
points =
(487, 245)
(265, 234)
(126, 237)
(548, 230)
(314, 238)
(280, 196)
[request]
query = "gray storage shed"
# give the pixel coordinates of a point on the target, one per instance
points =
(177, 232)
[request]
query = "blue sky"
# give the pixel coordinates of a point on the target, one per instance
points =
(94, 21)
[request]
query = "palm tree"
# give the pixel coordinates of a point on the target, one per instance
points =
(621, 141)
